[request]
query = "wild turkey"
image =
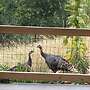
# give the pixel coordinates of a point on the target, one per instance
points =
(28, 63)
(55, 62)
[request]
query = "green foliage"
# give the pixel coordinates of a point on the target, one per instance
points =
(88, 12)
(41, 12)
(82, 65)
(22, 68)
(78, 15)
(76, 45)
(76, 54)
(3, 67)
(7, 12)
(11, 39)
(19, 67)
(31, 12)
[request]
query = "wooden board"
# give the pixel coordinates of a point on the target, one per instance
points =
(44, 30)
(44, 76)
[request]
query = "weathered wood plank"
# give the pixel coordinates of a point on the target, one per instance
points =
(44, 76)
(44, 30)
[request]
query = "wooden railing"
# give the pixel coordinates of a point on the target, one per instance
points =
(44, 31)
(45, 76)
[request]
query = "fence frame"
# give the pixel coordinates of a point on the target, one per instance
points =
(44, 31)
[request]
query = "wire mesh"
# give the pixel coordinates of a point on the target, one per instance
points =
(17, 51)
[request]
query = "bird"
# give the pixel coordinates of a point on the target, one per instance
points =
(55, 62)
(26, 64)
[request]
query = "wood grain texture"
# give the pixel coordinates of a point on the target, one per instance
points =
(44, 30)
(44, 76)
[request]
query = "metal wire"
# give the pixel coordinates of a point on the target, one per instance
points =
(19, 52)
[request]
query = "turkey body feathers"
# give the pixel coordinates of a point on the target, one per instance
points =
(26, 64)
(55, 62)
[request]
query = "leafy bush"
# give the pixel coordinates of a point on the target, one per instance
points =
(3, 67)
(23, 68)
(77, 47)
